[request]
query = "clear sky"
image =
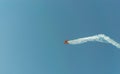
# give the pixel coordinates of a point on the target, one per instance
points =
(32, 33)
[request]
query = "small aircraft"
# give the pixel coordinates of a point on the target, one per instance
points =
(66, 42)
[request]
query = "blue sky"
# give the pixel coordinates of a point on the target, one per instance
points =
(33, 31)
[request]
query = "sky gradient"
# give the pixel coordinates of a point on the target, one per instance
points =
(32, 33)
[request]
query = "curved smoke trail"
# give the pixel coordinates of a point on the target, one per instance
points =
(100, 38)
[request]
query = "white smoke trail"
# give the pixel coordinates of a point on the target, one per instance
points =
(100, 38)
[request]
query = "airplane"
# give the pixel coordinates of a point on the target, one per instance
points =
(66, 42)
